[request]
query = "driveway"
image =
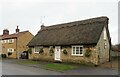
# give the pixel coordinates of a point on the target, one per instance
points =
(10, 67)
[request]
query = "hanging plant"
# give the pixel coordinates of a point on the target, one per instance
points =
(88, 52)
(51, 51)
(65, 51)
(41, 50)
(29, 51)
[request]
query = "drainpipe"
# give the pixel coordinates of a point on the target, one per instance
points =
(16, 47)
(110, 49)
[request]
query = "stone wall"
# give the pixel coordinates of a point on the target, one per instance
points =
(66, 58)
(103, 53)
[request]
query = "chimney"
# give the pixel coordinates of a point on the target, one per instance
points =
(17, 30)
(5, 32)
(42, 26)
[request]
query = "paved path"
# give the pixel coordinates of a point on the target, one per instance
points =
(12, 68)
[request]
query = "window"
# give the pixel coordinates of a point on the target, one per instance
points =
(11, 40)
(37, 49)
(77, 50)
(4, 41)
(10, 50)
(104, 33)
(0, 41)
(105, 45)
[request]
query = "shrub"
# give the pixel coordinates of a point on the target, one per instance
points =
(41, 50)
(51, 51)
(3, 56)
(9, 53)
(65, 51)
(88, 52)
(29, 51)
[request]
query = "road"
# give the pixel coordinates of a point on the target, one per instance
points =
(9, 67)
(15, 69)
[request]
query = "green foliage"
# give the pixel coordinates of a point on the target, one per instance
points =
(65, 51)
(9, 53)
(3, 56)
(88, 52)
(29, 51)
(51, 51)
(59, 67)
(28, 62)
(41, 50)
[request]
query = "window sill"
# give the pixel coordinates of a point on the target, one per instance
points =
(36, 52)
(77, 55)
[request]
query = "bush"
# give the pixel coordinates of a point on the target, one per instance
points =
(51, 51)
(3, 56)
(65, 51)
(9, 53)
(29, 51)
(88, 52)
(41, 50)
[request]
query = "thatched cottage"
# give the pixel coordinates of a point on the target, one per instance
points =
(79, 41)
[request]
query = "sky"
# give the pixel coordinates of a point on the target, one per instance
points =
(30, 14)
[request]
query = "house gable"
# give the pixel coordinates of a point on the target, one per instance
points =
(103, 47)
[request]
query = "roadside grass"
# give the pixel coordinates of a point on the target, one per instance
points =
(59, 67)
(28, 62)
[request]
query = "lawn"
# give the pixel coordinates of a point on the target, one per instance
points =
(59, 66)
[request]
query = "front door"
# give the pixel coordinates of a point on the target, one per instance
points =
(57, 53)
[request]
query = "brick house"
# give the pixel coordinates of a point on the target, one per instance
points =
(79, 41)
(14, 44)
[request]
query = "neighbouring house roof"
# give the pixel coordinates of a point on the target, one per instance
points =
(116, 47)
(72, 33)
(14, 35)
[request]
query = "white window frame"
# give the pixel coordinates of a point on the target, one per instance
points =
(10, 49)
(4, 41)
(11, 40)
(105, 45)
(35, 49)
(79, 50)
(1, 41)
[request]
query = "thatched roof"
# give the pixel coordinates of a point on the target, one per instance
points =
(73, 33)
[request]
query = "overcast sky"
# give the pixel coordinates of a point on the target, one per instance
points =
(28, 14)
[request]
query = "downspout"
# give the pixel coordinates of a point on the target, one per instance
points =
(110, 50)
(16, 47)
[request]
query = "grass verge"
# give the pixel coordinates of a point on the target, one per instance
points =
(51, 66)
(28, 62)
(59, 67)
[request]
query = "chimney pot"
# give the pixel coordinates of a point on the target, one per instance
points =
(17, 30)
(5, 32)
(42, 26)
